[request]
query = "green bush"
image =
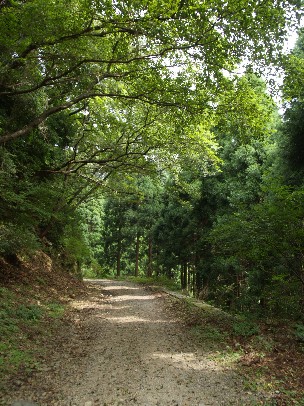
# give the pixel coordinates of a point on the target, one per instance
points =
(245, 328)
(208, 333)
(29, 312)
(93, 271)
(299, 332)
(15, 239)
(55, 310)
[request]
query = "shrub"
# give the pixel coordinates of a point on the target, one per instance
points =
(245, 328)
(299, 332)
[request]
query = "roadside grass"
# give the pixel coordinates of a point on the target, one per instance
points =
(269, 354)
(24, 322)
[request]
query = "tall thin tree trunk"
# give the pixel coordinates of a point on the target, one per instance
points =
(118, 257)
(137, 254)
(194, 290)
(198, 282)
(184, 275)
(150, 259)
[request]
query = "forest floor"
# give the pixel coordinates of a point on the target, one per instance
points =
(121, 343)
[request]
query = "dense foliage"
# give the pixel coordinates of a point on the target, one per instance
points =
(232, 234)
(129, 146)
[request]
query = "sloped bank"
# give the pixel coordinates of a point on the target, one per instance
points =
(268, 353)
(34, 294)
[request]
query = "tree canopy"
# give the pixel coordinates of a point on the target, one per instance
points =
(58, 55)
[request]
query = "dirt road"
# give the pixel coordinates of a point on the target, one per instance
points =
(123, 346)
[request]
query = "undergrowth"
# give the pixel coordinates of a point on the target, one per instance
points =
(21, 323)
(267, 353)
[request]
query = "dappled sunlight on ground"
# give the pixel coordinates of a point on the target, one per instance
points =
(97, 306)
(132, 297)
(134, 319)
(185, 360)
(119, 287)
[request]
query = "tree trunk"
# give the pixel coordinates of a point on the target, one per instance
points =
(198, 282)
(184, 275)
(194, 290)
(137, 254)
(150, 258)
(118, 257)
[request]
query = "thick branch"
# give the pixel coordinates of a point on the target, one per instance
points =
(56, 109)
(18, 62)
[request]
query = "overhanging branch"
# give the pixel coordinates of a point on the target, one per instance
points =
(64, 106)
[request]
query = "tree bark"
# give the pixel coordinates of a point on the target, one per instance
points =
(137, 254)
(184, 275)
(150, 259)
(118, 266)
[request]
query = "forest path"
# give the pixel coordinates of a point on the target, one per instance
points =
(123, 346)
